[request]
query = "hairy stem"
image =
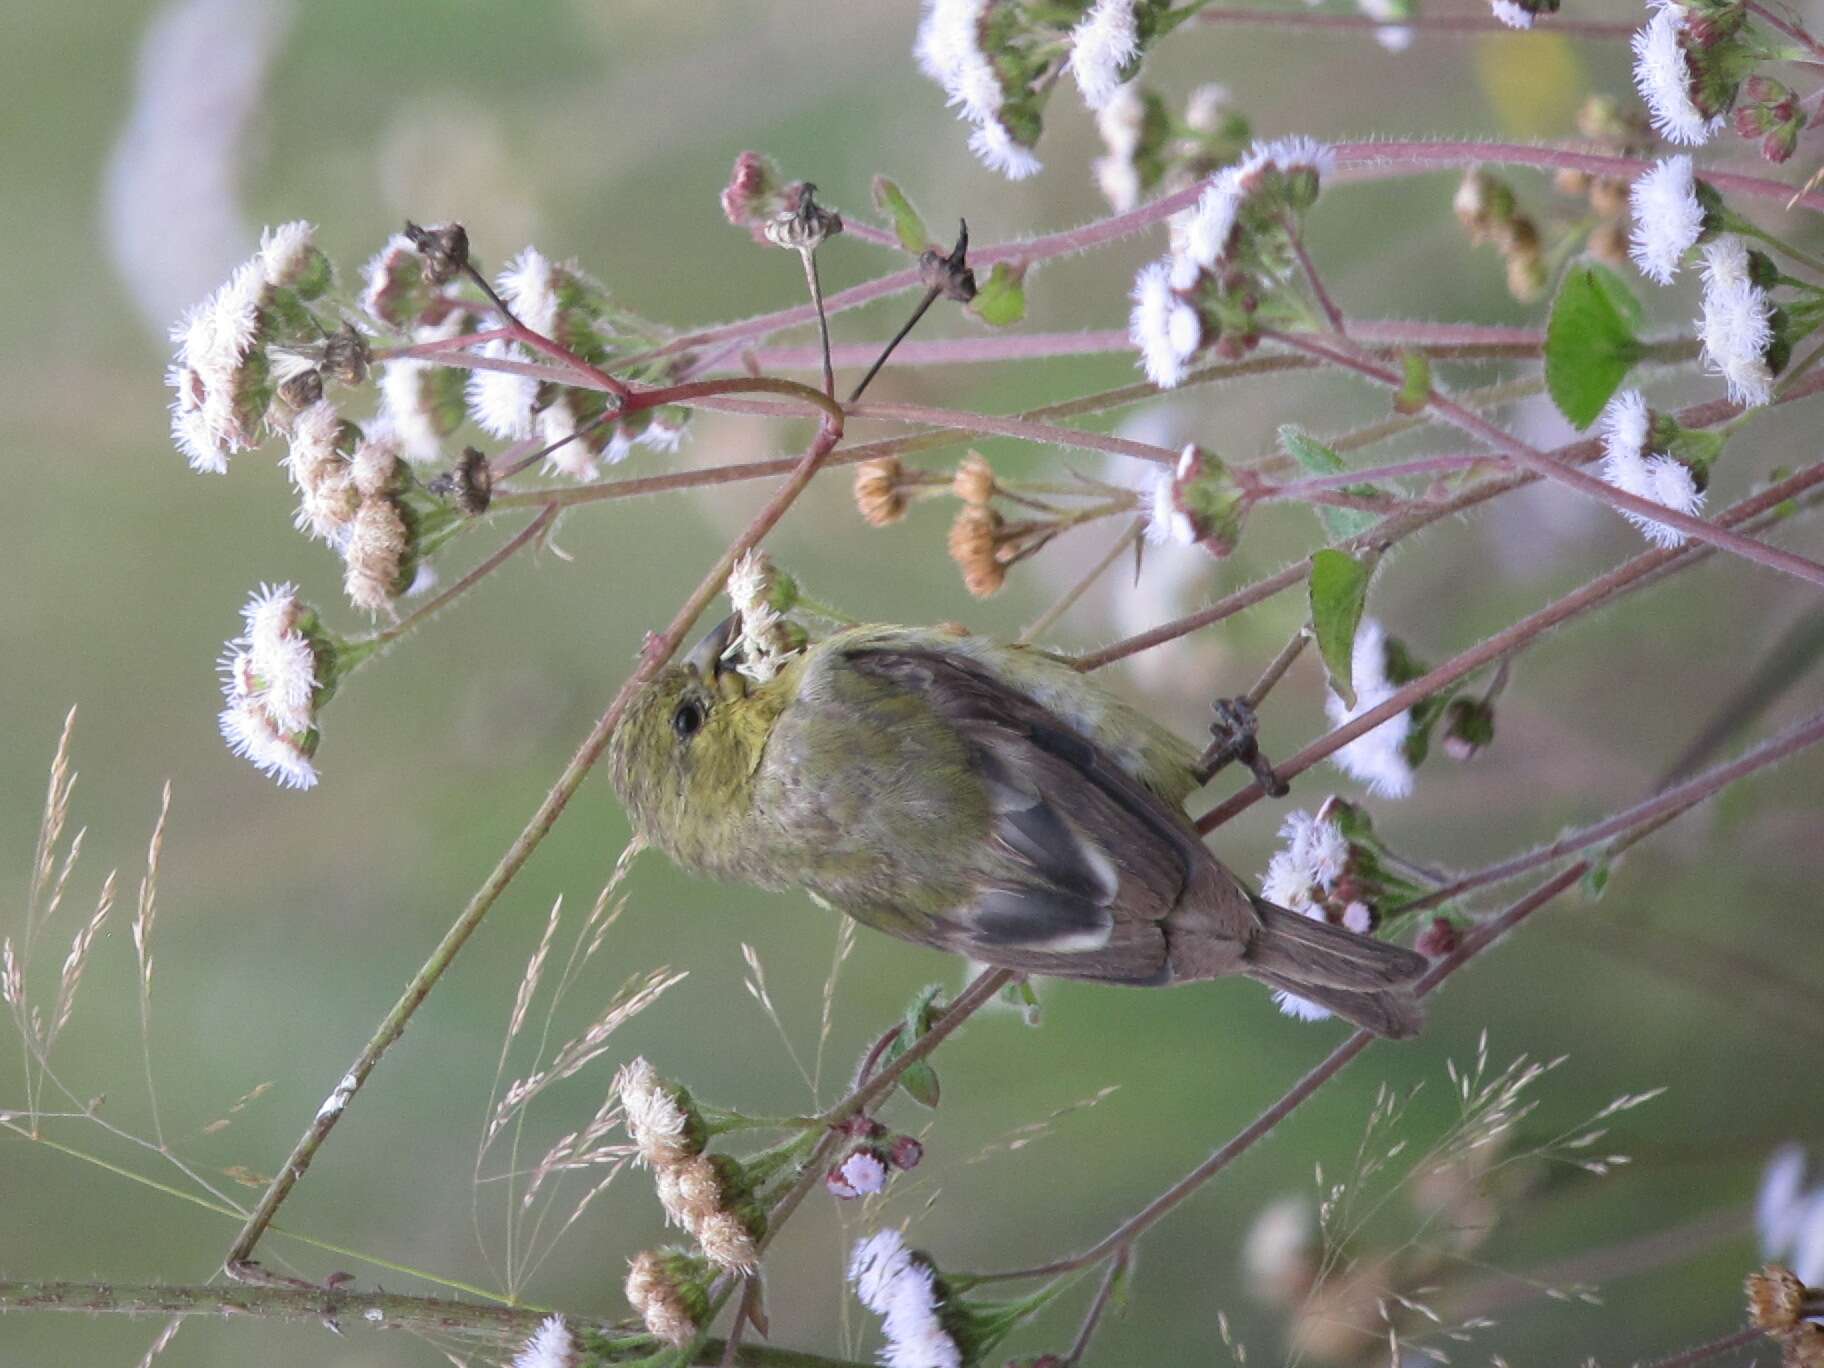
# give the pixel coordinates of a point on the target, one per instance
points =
(540, 824)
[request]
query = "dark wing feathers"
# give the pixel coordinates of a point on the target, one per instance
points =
(1089, 862)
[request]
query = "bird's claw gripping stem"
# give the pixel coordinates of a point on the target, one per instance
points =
(1234, 732)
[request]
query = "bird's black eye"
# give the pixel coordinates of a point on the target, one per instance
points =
(688, 718)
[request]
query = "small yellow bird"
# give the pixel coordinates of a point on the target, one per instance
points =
(980, 798)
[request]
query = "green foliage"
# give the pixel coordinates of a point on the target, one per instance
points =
(1339, 591)
(889, 199)
(1590, 342)
(1001, 298)
(1339, 523)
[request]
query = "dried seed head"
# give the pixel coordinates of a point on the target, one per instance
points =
(974, 481)
(1776, 1298)
(376, 555)
(666, 1287)
(1609, 244)
(445, 250)
(346, 355)
(1609, 197)
(878, 495)
(974, 539)
(1804, 1347)
(804, 224)
(948, 272)
(302, 389)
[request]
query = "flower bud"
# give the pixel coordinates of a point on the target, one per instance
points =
(1438, 940)
(667, 1288)
(1469, 725)
(974, 480)
(1776, 1299)
(905, 1152)
(973, 543)
(752, 186)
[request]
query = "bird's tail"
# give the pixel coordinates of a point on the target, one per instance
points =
(1364, 980)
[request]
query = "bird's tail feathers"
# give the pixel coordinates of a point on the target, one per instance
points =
(1357, 977)
(1389, 1012)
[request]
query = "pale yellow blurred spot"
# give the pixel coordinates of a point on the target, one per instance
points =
(1533, 82)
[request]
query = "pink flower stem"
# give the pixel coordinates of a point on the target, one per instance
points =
(1592, 595)
(1023, 429)
(1421, 23)
(1450, 341)
(1539, 463)
(1121, 1240)
(1359, 161)
(392, 1026)
(1428, 465)
(1792, 31)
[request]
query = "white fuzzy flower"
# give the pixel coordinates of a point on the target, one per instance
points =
(408, 394)
(499, 401)
(270, 676)
(1631, 468)
(1778, 1201)
(1317, 846)
(900, 1289)
(1663, 75)
(864, 1173)
(251, 734)
(1667, 218)
(1119, 181)
(1164, 328)
(1514, 16)
(1377, 757)
(1102, 46)
(659, 435)
(949, 51)
(380, 275)
(1359, 918)
(287, 252)
(1212, 222)
(551, 1346)
(1121, 121)
(1393, 37)
(1207, 107)
(214, 413)
(1165, 522)
(557, 423)
(995, 148)
(1737, 324)
(1294, 154)
(529, 285)
(657, 1125)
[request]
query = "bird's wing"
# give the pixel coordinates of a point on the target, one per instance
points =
(1084, 864)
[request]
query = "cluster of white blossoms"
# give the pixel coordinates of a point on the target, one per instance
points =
(1377, 758)
(766, 640)
(899, 1287)
(221, 372)
(1737, 324)
(1166, 325)
(1629, 465)
(350, 484)
(1103, 49)
(1669, 218)
(1662, 72)
(949, 51)
(271, 677)
(1302, 877)
(551, 1346)
(1789, 1217)
(700, 1192)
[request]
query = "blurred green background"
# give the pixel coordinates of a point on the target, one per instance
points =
(143, 148)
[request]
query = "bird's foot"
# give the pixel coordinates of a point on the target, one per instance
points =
(1234, 734)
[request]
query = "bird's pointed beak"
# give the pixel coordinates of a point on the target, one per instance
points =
(706, 656)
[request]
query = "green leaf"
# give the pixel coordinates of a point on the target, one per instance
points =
(1339, 591)
(889, 199)
(1001, 299)
(1596, 879)
(1415, 393)
(920, 1083)
(1339, 523)
(1590, 342)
